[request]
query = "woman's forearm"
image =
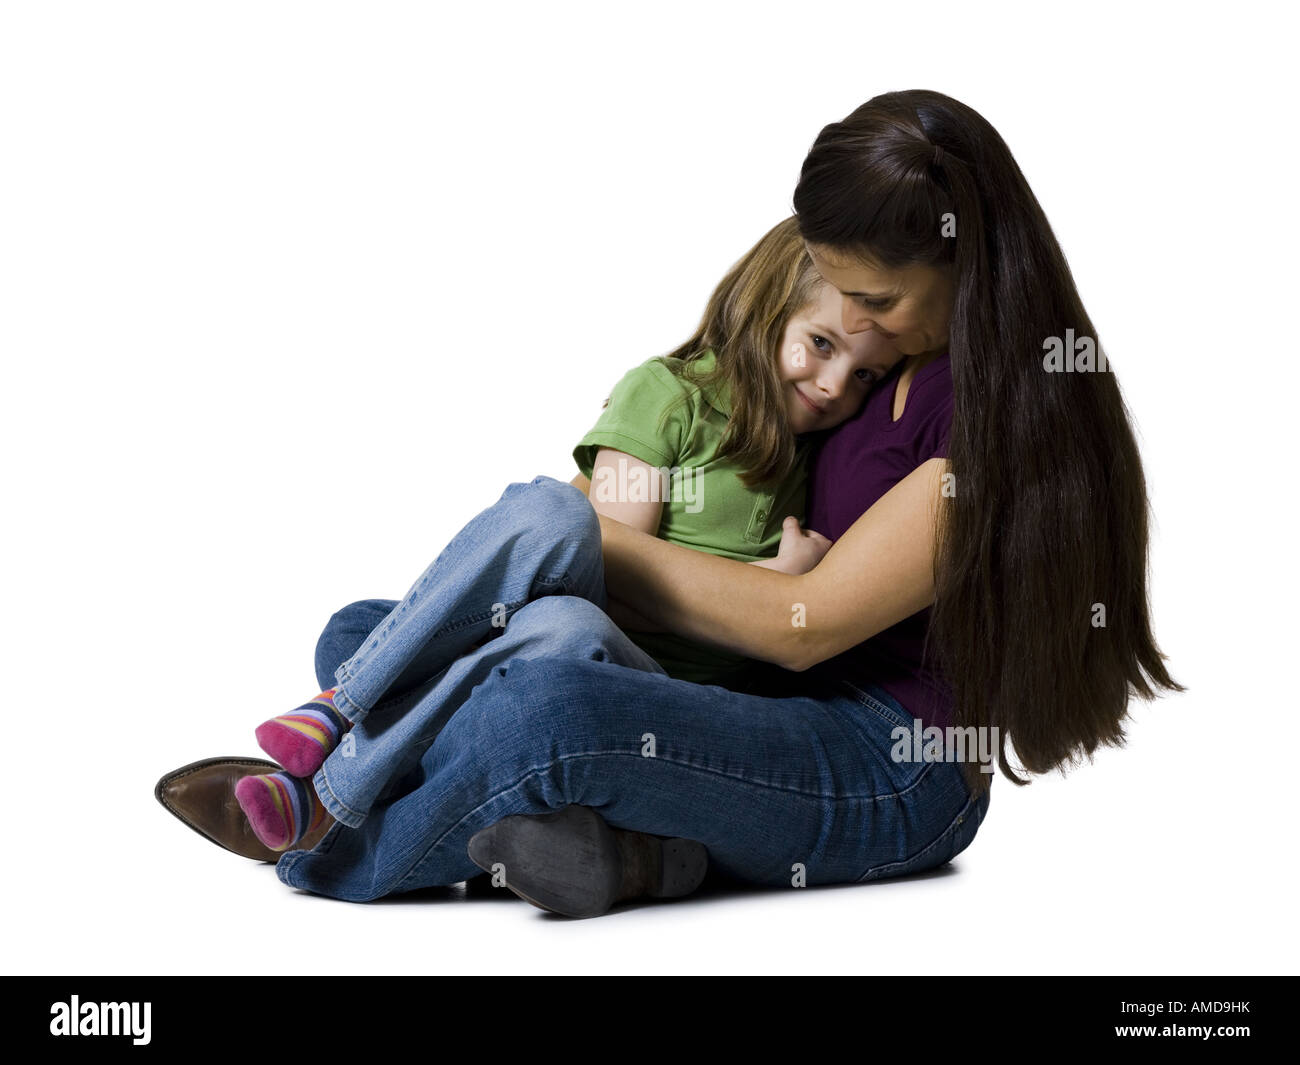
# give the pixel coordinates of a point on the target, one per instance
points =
(875, 575)
(878, 573)
(736, 606)
(628, 618)
(623, 613)
(704, 605)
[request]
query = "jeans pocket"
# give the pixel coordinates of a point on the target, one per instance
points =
(882, 704)
(959, 835)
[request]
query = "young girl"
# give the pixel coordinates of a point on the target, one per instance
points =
(706, 447)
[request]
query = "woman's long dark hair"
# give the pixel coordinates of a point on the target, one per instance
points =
(1041, 622)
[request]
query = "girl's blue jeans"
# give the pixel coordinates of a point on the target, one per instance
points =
(499, 686)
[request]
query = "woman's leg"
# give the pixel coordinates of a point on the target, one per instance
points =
(344, 634)
(782, 792)
(392, 738)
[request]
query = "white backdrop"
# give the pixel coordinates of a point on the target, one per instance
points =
(291, 290)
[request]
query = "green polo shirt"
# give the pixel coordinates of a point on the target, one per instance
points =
(706, 506)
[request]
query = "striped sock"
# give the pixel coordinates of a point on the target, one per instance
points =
(303, 738)
(281, 809)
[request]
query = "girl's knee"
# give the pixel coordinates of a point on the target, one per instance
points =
(562, 510)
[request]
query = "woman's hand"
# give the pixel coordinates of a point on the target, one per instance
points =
(800, 549)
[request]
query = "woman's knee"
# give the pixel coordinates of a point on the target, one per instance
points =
(529, 705)
(344, 634)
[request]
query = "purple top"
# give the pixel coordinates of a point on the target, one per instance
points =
(857, 464)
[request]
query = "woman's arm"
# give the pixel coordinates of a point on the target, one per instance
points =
(878, 573)
(800, 549)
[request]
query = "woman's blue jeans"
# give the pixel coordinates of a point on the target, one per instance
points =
(499, 686)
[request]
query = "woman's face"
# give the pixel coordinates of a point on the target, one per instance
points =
(911, 306)
(824, 373)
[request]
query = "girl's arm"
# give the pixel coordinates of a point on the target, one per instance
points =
(638, 514)
(878, 573)
(800, 549)
(642, 514)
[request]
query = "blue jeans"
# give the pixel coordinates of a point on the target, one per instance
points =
(524, 579)
(557, 706)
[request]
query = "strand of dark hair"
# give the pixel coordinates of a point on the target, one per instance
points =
(1046, 533)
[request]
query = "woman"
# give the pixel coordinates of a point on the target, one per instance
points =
(1023, 522)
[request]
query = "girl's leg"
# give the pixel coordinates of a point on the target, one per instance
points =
(540, 538)
(782, 792)
(394, 736)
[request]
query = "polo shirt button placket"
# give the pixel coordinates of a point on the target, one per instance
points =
(758, 519)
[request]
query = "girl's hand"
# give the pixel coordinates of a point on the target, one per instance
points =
(800, 549)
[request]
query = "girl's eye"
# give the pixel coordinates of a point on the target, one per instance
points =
(819, 341)
(867, 376)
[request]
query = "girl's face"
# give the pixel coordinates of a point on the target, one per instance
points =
(825, 373)
(910, 307)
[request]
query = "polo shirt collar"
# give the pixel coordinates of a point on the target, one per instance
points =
(719, 395)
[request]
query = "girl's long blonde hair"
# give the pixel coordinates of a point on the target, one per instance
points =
(743, 324)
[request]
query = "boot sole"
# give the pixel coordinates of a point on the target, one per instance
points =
(569, 861)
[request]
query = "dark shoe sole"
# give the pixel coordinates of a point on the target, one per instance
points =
(572, 863)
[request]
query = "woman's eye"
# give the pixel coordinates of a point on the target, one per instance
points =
(819, 341)
(875, 305)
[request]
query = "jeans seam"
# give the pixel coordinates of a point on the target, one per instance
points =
(333, 804)
(466, 622)
(880, 709)
(293, 856)
(966, 811)
(349, 709)
(538, 770)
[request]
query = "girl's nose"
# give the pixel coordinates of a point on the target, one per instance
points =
(831, 383)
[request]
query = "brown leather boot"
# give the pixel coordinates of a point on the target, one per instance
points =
(571, 862)
(202, 795)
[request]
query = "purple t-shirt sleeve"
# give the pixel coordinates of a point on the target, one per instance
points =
(932, 440)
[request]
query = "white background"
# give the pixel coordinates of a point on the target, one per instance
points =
(289, 291)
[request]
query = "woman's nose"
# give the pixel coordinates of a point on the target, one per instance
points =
(854, 318)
